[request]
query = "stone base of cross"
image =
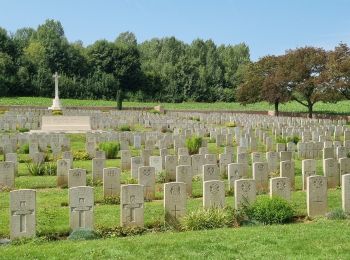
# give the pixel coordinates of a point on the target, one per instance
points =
(56, 105)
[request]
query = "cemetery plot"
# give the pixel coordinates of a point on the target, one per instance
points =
(147, 178)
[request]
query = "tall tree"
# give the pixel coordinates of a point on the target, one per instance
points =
(338, 71)
(306, 76)
(128, 66)
(120, 59)
(274, 88)
(249, 90)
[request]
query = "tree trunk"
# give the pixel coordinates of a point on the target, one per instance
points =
(310, 109)
(120, 99)
(276, 108)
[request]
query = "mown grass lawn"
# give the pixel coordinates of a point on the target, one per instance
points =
(342, 107)
(320, 239)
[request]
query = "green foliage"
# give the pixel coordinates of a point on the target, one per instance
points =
(24, 149)
(194, 118)
(281, 140)
(57, 113)
(337, 214)
(111, 200)
(23, 130)
(111, 149)
(193, 144)
(294, 139)
(153, 111)
(119, 231)
(125, 128)
(81, 156)
(160, 177)
(41, 169)
(83, 234)
(131, 181)
(230, 124)
(207, 219)
(270, 211)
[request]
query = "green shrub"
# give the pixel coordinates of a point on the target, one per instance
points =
(270, 211)
(153, 111)
(281, 140)
(337, 214)
(160, 177)
(348, 155)
(194, 118)
(36, 169)
(81, 156)
(111, 200)
(131, 181)
(119, 231)
(111, 149)
(230, 124)
(51, 168)
(295, 139)
(193, 144)
(24, 149)
(125, 128)
(57, 113)
(83, 234)
(41, 169)
(23, 130)
(208, 219)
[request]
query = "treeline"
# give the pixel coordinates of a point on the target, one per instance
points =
(165, 70)
(306, 75)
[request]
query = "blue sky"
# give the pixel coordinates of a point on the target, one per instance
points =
(267, 26)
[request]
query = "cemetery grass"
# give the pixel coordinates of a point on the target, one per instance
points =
(342, 107)
(320, 239)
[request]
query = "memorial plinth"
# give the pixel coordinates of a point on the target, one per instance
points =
(66, 124)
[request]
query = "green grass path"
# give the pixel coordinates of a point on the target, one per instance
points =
(318, 240)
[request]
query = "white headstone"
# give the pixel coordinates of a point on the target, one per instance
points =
(131, 206)
(81, 204)
(22, 213)
(245, 193)
(174, 201)
(213, 194)
(111, 182)
(280, 187)
(316, 196)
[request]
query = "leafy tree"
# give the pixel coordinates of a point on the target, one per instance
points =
(306, 76)
(51, 36)
(120, 59)
(274, 88)
(338, 71)
(249, 90)
(128, 67)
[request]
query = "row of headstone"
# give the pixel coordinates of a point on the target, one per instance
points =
(81, 201)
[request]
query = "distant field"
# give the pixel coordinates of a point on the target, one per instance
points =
(342, 107)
